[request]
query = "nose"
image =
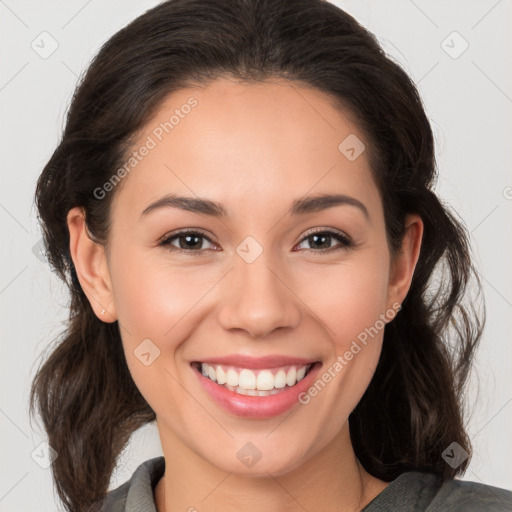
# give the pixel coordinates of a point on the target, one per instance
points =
(258, 298)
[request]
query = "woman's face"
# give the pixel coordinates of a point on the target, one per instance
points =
(255, 282)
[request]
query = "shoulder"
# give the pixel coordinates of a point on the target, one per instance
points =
(455, 495)
(416, 491)
(136, 494)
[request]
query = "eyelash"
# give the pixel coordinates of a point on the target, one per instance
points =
(343, 239)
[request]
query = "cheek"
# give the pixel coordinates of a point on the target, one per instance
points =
(152, 301)
(159, 302)
(347, 297)
(349, 300)
(151, 295)
(350, 309)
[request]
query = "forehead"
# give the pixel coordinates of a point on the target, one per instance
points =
(243, 143)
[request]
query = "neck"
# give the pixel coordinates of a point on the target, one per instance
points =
(332, 480)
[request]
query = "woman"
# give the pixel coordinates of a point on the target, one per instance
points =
(209, 148)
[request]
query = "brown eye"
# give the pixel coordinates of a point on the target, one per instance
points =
(322, 241)
(189, 241)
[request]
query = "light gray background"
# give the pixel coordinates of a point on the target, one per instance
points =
(468, 100)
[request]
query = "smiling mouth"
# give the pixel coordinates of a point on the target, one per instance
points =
(251, 382)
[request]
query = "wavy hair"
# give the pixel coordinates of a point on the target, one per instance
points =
(414, 407)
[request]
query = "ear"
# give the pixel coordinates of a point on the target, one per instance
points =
(404, 262)
(91, 267)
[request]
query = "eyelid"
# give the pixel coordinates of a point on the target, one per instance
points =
(314, 231)
(184, 231)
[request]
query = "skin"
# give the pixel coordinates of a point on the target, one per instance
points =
(253, 148)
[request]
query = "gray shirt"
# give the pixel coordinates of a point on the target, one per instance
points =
(412, 491)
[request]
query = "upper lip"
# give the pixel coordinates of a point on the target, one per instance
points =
(242, 361)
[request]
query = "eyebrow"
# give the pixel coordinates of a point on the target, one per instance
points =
(310, 204)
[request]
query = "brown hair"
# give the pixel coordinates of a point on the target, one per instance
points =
(413, 407)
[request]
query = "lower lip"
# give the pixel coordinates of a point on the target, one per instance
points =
(257, 406)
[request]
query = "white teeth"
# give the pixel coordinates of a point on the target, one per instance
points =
(265, 381)
(251, 392)
(254, 383)
(280, 379)
(246, 379)
(221, 375)
(231, 377)
(291, 376)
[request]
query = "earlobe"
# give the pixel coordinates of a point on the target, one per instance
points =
(405, 260)
(90, 263)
